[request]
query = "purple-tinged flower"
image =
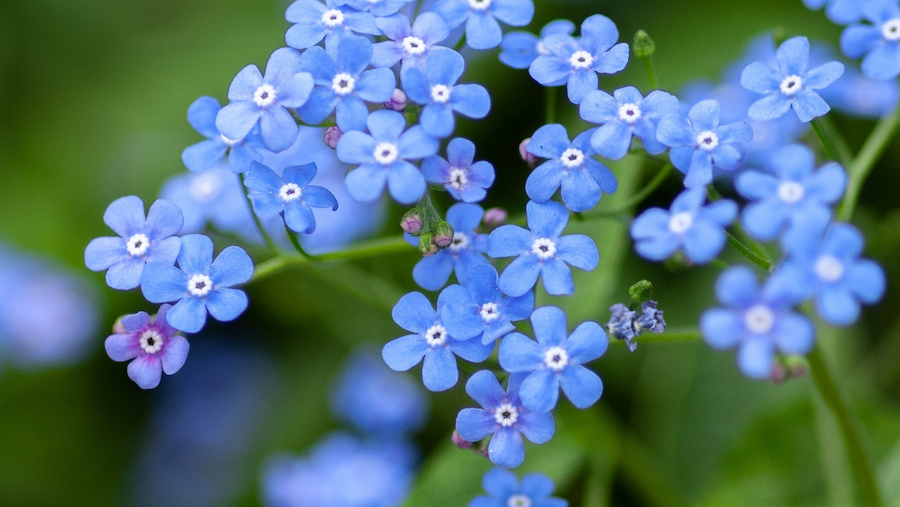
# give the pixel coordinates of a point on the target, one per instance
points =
(841, 12)
(378, 8)
(397, 101)
(621, 324)
(199, 284)
(464, 179)
(526, 156)
(154, 346)
(759, 321)
(625, 114)
(878, 43)
(504, 490)
(541, 251)
(290, 195)
(651, 318)
(464, 251)
(698, 142)
(206, 154)
(494, 217)
(333, 134)
(264, 100)
(503, 416)
(687, 226)
(480, 16)
(570, 165)
(519, 49)
(430, 344)
(382, 158)
(577, 62)
(411, 45)
(140, 240)
(555, 362)
(314, 21)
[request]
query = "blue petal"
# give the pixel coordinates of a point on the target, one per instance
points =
(432, 273)
(808, 105)
(416, 143)
(483, 31)
(598, 33)
(320, 197)
(704, 115)
(858, 40)
(582, 386)
(472, 350)
(540, 391)
(883, 62)
(756, 185)
(161, 283)
(546, 219)
(827, 184)
(484, 389)
(405, 182)
(737, 287)
(578, 250)
(353, 54)
(299, 217)
(538, 428)
(295, 90)
(125, 216)
(761, 78)
(549, 70)
(235, 120)
(437, 120)
(549, 323)
(453, 12)
(794, 334)
(376, 85)
(405, 352)
(202, 116)
(755, 357)
(356, 147)
(470, 100)
(793, 55)
(226, 304)
(506, 448)
(520, 276)
(721, 329)
(865, 279)
(769, 107)
(764, 219)
(101, 253)
(557, 278)
(439, 371)
(673, 130)
(703, 242)
(612, 140)
(580, 192)
(145, 371)
(544, 181)
(513, 12)
(366, 182)
(444, 67)
(416, 85)
(243, 87)
(174, 354)
(188, 315)
(277, 127)
(385, 126)
(580, 84)
(837, 306)
(321, 103)
(203, 155)
(196, 254)
(305, 35)
(501, 483)
(351, 114)
(232, 267)
(519, 354)
(474, 424)
(700, 172)
(125, 275)
(586, 343)
(823, 75)
(613, 60)
(509, 241)
(549, 141)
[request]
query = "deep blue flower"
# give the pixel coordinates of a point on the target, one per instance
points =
(413, 44)
(625, 114)
(555, 361)
(504, 490)
(376, 7)
(436, 88)
(342, 83)
(792, 195)
(688, 226)
(879, 41)
(757, 320)
(154, 346)
(578, 61)
(382, 158)
(482, 29)
(570, 165)
(199, 284)
(464, 252)
(541, 251)
(503, 416)
(206, 154)
(621, 324)
(698, 142)
(264, 100)
(140, 240)
(841, 12)
(519, 49)
(314, 21)
(430, 341)
(481, 308)
(290, 195)
(464, 179)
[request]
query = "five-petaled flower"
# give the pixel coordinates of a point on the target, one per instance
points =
(153, 344)
(290, 195)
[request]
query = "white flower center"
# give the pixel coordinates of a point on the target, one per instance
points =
(200, 285)
(681, 222)
(891, 29)
(458, 178)
(333, 18)
(489, 312)
(581, 60)
(518, 501)
(386, 153)
(572, 158)
(506, 415)
(480, 5)
(556, 358)
(436, 335)
(829, 269)
(791, 85)
(708, 140)
(413, 46)
(459, 241)
(759, 319)
(440, 93)
(790, 191)
(264, 95)
(205, 187)
(543, 248)
(629, 113)
(290, 192)
(137, 245)
(152, 341)
(343, 83)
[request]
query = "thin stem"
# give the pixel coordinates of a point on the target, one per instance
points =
(672, 335)
(869, 154)
(651, 72)
(295, 241)
(639, 196)
(845, 156)
(826, 141)
(262, 230)
(748, 253)
(461, 43)
(550, 94)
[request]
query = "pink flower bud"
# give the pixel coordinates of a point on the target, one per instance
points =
(527, 156)
(332, 136)
(495, 217)
(411, 223)
(397, 102)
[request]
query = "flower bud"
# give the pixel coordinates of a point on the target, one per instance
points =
(641, 291)
(494, 217)
(411, 223)
(643, 45)
(332, 136)
(459, 442)
(443, 234)
(526, 155)
(427, 245)
(397, 102)
(118, 328)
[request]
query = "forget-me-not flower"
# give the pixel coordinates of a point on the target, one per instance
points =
(878, 43)
(504, 490)
(411, 45)
(624, 114)
(290, 195)
(519, 49)
(464, 179)
(378, 8)
(214, 196)
(841, 12)
(154, 346)
(482, 29)
(464, 252)
(206, 154)
(314, 21)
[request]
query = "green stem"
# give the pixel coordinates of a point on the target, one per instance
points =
(461, 43)
(671, 335)
(748, 253)
(869, 154)
(268, 239)
(845, 156)
(826, 141)
(550, 94)
(639, 196)
(296, 242)
(651, 72)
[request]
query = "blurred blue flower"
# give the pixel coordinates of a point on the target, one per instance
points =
(464, 179)
(376, 7)
(464, 252)
(291, 195)
(625, 114)
(519, 49)
(854, 94)
(482, 29)
(504, 490)
(413, 44)
(876, 43)
(314, 21)
(841, 12)
(154, 346)
(213, 197)
(206, 154)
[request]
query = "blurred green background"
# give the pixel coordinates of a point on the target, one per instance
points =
(93, 100)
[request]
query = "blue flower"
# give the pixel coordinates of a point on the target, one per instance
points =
(519, 49)
(577, 62)
(570, 165)
(554, 361)
(214, 196)
(482, 29)
(463, 253)
(199, 284)
(625, 114)
(841, 12)
(436, 88)
(341, 84)
(879, 42)
(314, 21)
(464, 180)
(264, 100)
(140, 240)
(481, 308)
(413, 44)
(503, 416)
(431, 341)
(859, 96)
(504, 490)
(383, 158)
(154, 346)
(757, 320)
(688, 225)
(541, 251)
(206, 154)
(291, 195)
(698, 142)
(792, 195)
(376, 7)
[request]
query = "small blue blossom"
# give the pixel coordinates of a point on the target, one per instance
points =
(376, 7)
(519, 49)
(342, 83)
(206, 154)
(290, 195)
(464, 252)
(859, 96)
(625, 114)
(154, 346)
(541, 251)
(214, 197)
(757, 320)
(382, 158)
(314, 21)
(264, 100)
(503, 416)
(877, 43)
(140, 240)
(570, 165)
(576, 62)
(464, 179)
(688, 225)
(481, 308)
(413, 44)
(555, 361)
(504, 490)
(698, 142)
(437, 90)
(199, 284)
(482, 29)
(841, 12)
(430, 341)
(792, 195)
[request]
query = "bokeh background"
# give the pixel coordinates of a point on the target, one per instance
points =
(93, 101)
